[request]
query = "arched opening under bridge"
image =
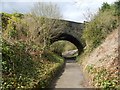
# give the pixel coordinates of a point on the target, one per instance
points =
(70, 38)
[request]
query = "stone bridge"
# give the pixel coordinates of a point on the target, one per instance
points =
(71, 31)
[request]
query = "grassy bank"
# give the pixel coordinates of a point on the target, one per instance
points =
(100, 59)
(23, 70)
(27, 61)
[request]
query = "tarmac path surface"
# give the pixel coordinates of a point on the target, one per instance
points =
(71, 77)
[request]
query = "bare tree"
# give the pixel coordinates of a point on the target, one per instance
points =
(88, 15)
(46, 17)
(46, 9)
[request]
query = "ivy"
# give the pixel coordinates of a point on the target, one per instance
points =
(21, 70)
(102, 78)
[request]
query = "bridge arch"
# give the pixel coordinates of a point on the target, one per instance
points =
(70, 38)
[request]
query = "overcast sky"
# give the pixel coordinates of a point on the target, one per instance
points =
(72, 10)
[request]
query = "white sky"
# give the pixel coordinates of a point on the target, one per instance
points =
(72, 10)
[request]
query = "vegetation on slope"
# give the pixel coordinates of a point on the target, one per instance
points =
(23, 70)
(95, 60)
(27, 59)
(103, 23)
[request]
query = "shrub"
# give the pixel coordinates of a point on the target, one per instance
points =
(117, 7)
(18, 67)
(105, 6)
(102, 78)
(98, 28)
(22, 70)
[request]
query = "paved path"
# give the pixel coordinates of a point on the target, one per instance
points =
(71, 77)
(69, 53)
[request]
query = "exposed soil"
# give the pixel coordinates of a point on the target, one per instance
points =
(106, 55)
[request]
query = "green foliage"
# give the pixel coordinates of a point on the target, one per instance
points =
(62, 46)
(98, 28)
(90, 68)
(102, 78)
(17, 65)
(51, 70)
(58, 47)
(5, 17)
(51, 56)
(18, 15)
(22, 70)
(105, 6)
(117, 7)
(94, 33)
(11, 26)
(24, 63)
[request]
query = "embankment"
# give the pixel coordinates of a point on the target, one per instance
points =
(102, 65)
(25, 71)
